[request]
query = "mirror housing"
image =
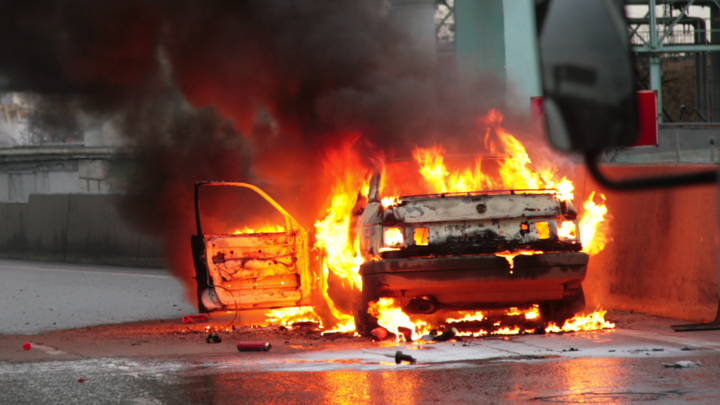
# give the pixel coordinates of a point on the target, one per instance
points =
(589, 82)
(588, 75)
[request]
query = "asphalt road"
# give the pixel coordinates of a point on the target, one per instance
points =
(40, 296)
(168, 362)
(496, 373)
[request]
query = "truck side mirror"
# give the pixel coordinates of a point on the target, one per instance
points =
(587, 75)
(589, 85)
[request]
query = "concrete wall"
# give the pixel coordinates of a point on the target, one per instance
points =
(78, 228)
(663, 257)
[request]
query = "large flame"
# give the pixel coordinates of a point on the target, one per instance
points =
(333, 232)
(509, 168)
(592, 229)
(391, 317)
(514, 173)
(593, 321)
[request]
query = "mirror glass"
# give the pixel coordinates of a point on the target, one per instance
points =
(587, 75)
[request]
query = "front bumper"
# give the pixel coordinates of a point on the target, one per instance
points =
(478, 281)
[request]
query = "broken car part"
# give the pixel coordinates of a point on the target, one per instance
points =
(254, 346)
(379, 333)
(213, 338)
(447, 335)
(398, 356)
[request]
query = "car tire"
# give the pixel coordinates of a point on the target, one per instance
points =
(364, 322)
(561, 310)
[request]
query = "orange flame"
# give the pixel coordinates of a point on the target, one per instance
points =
(333, 232)
(533, 313)
(567, 230)
(592, 235)
(390, 201)
(515, 171)
(593, 321)
(391, 317)
(336, 237)
(467, 317)
(288, 316)
(510, 256)
(267, 228)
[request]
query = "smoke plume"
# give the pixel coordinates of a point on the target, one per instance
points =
(250, 91)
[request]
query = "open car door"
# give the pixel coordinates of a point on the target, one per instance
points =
(252, 270)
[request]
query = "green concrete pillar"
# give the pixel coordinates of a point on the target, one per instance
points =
(479, 39)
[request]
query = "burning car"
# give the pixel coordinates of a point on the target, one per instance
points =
(447, 251)
(470, 250)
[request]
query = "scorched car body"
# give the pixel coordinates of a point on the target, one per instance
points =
(428, 252)
(445, 251)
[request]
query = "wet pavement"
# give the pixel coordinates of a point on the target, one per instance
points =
(165, 361)
(196, 381)
(170, 363)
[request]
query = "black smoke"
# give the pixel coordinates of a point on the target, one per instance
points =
(251, 90)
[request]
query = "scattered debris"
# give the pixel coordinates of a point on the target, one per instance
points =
(27, 346)
(430, 336)
(611, 351)
(195, 318)
(398, 356)
(658, 349)
(572, 349)
(447, 335)
(81, 380)
(406, 332)
(379, 333)
(254, 346)
(213, 338)
(683, 364)
(686, 348)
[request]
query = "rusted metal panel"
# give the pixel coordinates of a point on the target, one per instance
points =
(467, 224)
(469, 208)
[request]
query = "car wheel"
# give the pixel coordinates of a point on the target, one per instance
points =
(364, 322)
(560, 311)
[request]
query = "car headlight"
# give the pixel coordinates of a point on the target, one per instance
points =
(567, 230)
(543, 230)
(393, 237)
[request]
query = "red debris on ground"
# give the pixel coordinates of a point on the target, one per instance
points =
(254, 346)
(194, 318)
(27, 346)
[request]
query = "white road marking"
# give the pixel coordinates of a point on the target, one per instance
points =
(47, 349)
